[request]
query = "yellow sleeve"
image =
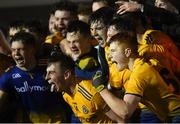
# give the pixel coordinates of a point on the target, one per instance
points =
(54, 38)
(136, 85)
(118, 78)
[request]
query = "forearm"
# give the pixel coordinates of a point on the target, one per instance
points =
(3, 43)
(117, 105)
(3, 100)
(114, 117)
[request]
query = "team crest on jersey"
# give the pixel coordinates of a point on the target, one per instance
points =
(85, 109)
(16, 75)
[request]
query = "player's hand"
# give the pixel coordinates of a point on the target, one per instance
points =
(127, 7)
(99, 81)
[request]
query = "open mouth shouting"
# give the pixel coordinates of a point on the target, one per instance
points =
(19, 60)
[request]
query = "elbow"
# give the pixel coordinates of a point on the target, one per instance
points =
(125, 115)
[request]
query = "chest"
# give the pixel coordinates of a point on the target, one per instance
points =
(26, 82)
(82, 104)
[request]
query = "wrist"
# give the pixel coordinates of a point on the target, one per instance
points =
(100, 88)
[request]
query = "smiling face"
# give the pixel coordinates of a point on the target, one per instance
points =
(118, 55)
(78, 44)
(55, 77)
(23, 55)
(99, 32)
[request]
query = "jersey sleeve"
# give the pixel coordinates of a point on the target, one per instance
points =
(136, 85)
(5, 83)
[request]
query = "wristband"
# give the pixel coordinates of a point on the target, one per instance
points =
(100, 88)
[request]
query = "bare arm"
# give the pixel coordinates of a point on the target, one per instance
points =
(3, 100)
(114, 117)
(4, 47)
(123, 108)
(125, 6)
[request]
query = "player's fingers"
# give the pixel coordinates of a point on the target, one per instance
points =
(120, 12)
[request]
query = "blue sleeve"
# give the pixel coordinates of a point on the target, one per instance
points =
(4, 82)
(85, 74)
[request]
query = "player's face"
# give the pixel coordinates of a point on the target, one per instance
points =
(111, 32)
(55, 77)
(118, 55)
(99, 32)
(78, 44)
(52, 24)
(22, 54)
(62, 19)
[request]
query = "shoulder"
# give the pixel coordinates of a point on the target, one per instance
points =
(141, 68)
(9, 71)
(85, 87)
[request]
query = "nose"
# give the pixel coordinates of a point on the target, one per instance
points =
(15, 52)
(71, 43)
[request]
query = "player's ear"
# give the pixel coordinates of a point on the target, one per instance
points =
(128, 52)
(67, 74)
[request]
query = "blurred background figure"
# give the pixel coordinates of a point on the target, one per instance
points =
(165, 4)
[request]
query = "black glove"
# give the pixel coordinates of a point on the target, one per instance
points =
(102, 61)
(99, 81)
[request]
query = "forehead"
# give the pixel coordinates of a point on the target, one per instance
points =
(73, 36)
(97, 23)
(17, 44)
(115, 45)
(53, 67)
(62, 13)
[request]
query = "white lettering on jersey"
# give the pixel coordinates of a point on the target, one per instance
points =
(16, 75)
(27, 88)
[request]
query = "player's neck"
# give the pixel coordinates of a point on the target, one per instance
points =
(31, 65)
(131, 63)
(72, 88)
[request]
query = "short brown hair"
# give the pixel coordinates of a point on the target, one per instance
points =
(125, 38)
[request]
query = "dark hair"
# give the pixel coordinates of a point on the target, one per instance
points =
(65, 61)
(125, 38)
(110, 3)
(122, 25)
(25, 38)
(104, 15)
(67, 6)
(35, 26)
(80, 26)
(135, 18)
(104, 1)
(16, 24)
